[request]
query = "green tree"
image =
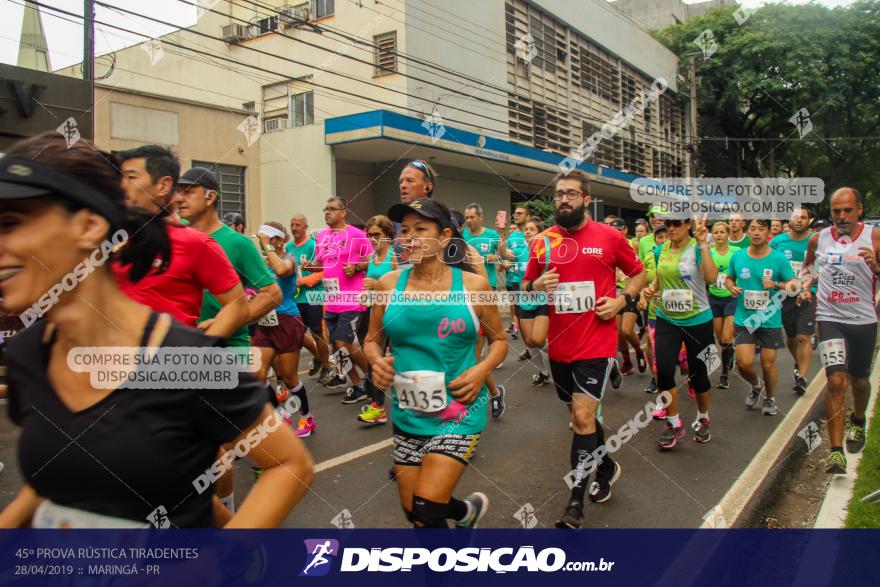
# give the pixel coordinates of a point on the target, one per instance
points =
(782, 59)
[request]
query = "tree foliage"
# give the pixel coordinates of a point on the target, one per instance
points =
(782, 59)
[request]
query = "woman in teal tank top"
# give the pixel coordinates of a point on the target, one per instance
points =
(438, 393)
(383, 260)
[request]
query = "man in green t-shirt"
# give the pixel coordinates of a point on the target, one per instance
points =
(485, 241)
(308, 285)
(798, 313)
(197, 195)
(197, 198)
(647, 242)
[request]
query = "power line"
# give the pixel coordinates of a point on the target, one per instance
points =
(304, 81)
(661, 139)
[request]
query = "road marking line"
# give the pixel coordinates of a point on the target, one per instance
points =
(355, 454)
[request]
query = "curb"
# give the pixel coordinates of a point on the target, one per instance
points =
(835, 506)
(742, 500)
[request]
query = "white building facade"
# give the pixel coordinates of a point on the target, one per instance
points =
(494, 94)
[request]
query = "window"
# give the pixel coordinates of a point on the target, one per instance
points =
(302, 109)
(266, 25)
(231, 178)
(386, 53)
(322, 8)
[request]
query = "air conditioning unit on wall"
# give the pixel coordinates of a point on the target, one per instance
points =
(291, 15)
(233, 33)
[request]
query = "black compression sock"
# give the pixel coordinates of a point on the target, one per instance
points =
(457, 509)
(582, 446)
(606, 467)
(300, 393)
(856, 421)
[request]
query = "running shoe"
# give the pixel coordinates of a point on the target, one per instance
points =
(754, 396)
(573, 516)
(354, 395)
(324, 373)
(514, 334)
(511, 328)
(701, 430)
(478, 503)
(670, 437)
(600, 489)
(373, 414)
(770, 408)
(723, 382)
(641, 361)
(651, 387)
(539, 379)
(659, 412)
(836, 463)
(855, 438)
(334, 381)
(616, 377)
(498, 405)
(314, 367)
(627, 368)
(524, 356)
(305, 427)
(797, 375)
(800, 386)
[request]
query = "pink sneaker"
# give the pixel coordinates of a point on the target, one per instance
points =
(305, 427)
(659, 412)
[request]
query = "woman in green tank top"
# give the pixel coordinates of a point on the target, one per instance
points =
(438, 393)
(722, 303)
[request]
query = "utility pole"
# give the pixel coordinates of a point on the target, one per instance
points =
(88, 64)
(694, 132)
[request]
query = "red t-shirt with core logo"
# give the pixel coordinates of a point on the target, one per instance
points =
(589, 258)
(197, 264)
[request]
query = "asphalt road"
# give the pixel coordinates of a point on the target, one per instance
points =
(522, 458)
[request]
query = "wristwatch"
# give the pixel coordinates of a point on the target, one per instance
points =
(270, 248)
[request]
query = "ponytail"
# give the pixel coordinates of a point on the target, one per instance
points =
(147, 241)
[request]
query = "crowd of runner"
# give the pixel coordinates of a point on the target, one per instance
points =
(399, 314)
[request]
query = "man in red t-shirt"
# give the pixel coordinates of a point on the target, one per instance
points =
(197, 264)
(582, 340)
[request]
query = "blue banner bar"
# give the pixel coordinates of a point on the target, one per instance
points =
(202, 558)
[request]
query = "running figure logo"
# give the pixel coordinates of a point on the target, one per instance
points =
(319, 556)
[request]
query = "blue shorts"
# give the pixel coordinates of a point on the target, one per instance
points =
(722, 307)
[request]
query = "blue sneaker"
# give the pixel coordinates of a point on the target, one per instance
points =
(498, 406)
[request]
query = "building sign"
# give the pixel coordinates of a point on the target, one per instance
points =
(32, 102)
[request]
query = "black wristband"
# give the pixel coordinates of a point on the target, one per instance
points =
(628, 298)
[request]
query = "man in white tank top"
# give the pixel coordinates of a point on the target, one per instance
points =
(844, 259)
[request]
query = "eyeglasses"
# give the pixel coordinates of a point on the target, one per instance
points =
(673, 223)
(328, 209)
(570, 195)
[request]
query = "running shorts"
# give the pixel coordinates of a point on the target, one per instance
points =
(410, 449)
(847, 347)
(766, 338)
(722, 307)
(345, 326)
(312, 316)
(285, 337)
(589, 376)
(541, 310)
(798, 318)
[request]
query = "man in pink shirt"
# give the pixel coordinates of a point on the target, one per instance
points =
(341, 253)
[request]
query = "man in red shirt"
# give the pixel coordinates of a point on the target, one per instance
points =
(582, 340)
(149, 177)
